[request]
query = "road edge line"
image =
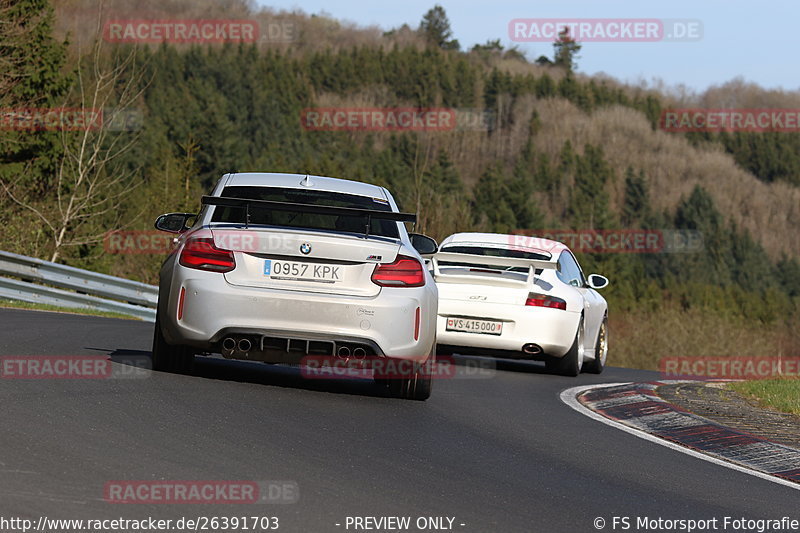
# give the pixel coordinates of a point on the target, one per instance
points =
(570, 397)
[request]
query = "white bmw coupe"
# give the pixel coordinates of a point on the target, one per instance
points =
(281, 268)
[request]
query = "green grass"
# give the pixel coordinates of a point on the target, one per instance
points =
(16, 304)
(779, 394)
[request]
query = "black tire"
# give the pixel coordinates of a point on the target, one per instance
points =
(569, 364)
(417, 385)
(166, 357)
(597, 365)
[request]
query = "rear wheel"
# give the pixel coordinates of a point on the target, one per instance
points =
(570, 364)
(417, 384)
(600, 350)
(166, 357)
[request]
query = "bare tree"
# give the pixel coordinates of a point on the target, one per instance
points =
(423, 149)
(91, 181)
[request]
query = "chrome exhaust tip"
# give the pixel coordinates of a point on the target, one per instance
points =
(343, 351)
(228, 345)
(532, 349)
(245, 345)
(359, 353)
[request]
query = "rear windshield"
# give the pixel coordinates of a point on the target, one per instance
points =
(495, 252)
(289, 219)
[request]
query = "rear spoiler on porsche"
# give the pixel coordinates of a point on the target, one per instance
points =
(269, 205)
(486, 264)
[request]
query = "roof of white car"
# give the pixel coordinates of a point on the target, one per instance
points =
(507, 241)
(301, 181)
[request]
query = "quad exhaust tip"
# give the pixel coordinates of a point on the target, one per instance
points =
(343, 351)
(236, 344)
(229, 344)
(532, 349)
(245, 345)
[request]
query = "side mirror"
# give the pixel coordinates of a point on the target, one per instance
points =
(596, 281)
(423, 244)
(173, 222)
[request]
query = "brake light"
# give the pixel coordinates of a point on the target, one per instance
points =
(200, 253)
(543, 300)
(403, 272)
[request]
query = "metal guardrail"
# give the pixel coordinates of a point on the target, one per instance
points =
(90, 290)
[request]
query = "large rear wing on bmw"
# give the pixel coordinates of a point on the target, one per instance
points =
(249, 204)
(484, 264)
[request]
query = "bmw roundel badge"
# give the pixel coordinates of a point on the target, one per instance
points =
(305, 248)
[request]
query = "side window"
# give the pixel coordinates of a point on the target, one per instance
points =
(568, 270)
(578, 271)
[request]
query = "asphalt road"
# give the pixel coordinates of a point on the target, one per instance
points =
(498, 453)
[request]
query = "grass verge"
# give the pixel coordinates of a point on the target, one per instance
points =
(779, 394)
(16, 304)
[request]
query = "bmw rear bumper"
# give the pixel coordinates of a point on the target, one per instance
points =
(214, 309)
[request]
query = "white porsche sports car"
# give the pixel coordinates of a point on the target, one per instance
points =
(282, 267)
(519, 297)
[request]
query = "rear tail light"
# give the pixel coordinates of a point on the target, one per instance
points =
(543, 300)
(200, 253)
(403, 272)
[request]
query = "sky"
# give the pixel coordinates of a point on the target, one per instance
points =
(755, 41)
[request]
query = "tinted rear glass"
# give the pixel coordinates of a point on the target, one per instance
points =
(289, 219)
(494, 252)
